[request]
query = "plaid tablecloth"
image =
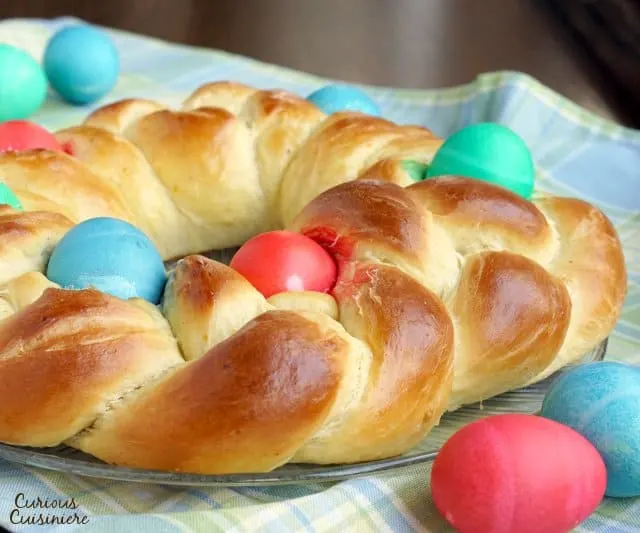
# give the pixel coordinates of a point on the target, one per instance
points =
(578, 155)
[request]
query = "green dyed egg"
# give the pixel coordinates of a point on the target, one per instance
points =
(23, 84)
(415, 170)
(489, 152)
(7, 196)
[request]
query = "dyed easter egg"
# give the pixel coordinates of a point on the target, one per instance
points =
(517, 473)
(23, 85)
(8, 197)
(490, 152)
(602, 402)
(415, 170)
(333, 98)
(109, 255)
(281, 261)
(81, 63)
(20, 135)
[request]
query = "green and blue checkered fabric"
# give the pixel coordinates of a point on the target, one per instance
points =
(578, 154)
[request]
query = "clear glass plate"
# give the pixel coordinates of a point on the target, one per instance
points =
(69, 460)
(64, 459)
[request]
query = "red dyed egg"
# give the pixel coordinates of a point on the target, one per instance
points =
(280, 261)
(21, 135)
(517, 474)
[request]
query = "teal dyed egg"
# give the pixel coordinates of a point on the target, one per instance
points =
(490, 152)
(8, 197)
(81, 63)
(109, 255)
(23, 85)
(601, 401)
(334, 98)
(415, 170)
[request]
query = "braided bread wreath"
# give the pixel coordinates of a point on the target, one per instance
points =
(450, 290)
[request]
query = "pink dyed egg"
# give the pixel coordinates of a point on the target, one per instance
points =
(517, 474)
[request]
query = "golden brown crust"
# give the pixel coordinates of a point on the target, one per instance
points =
(243, 407)
(227, 95)
(117, 116)
(121, 164)
(206, 302)
(201, 282)
(23, 290)
(450, 290)
(232, 162)
(478, 215)
(333, 154)
(558, 269)
(592, 266)
(27, 240)
(415, 145)
(374, 220)
(389, 170)
(411, 338)
(218, 189)
(512, 327)
(356, 217)
(66, 356)
(45, 180)
(461, 201)
(282, 122)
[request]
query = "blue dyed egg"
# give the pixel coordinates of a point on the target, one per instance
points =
(602, 402)
(109, 255)
(334, 98)
(81, 63)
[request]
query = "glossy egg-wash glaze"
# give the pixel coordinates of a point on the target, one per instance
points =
(81, 63)
(490, 152)
(517, 474)
(602, 402)
(335, 98)
(110, 255)
(23, 85)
